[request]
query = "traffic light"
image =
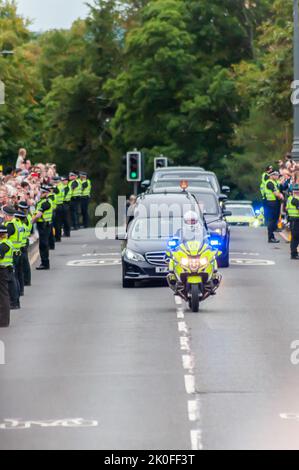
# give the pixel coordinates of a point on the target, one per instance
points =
(134, 167)
(161, 162)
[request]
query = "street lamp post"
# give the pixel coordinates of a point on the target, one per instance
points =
(295, 150)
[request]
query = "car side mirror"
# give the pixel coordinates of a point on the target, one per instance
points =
(145, 184)
(226, 189)
(223, 197)
(227, 213)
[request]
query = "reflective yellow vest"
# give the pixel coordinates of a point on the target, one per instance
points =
(48, 214)
(7, 261)
(77, 192)
(293, 212)
(15, 239)
(269, 194)
(86, 192)
(59, 196)
(68, 196)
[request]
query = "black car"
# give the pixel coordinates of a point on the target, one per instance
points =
(145, 245)
(185, 173)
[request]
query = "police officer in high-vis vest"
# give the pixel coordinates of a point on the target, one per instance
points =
(293, 213)
(273, 198)
(58, 192)
(43, 218)
(20, 216)
(14, 236)
(265, 178)
(66, 221)
(76, 188)
(6, 267)
(85, 198)
(27, 222)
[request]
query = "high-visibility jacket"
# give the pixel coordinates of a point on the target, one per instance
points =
(265, 178)
(7, 261)
(23, 237)
(16, 238)
(48, 214)
(59, 194)
(77, 192)
(52, 199)
(86, 188)
(292, 210)
(28, 225)
(68, 192)
(269, 193)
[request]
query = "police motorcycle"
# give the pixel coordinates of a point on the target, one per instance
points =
(193, 269)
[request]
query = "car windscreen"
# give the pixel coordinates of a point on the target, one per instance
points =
(208, 203)
(161, 228)
(167, 184)
(185, 175)
(238, 211)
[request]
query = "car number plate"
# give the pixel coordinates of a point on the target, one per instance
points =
(162, 270)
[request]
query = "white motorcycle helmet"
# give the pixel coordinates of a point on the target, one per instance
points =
(191, 220)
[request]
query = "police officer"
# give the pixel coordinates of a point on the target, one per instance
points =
(273, 198)
(58, 191)
(20, 216)
(52, 201)
(265, 178)
(27, 222)
(66, 220)
(43, 218)
(85, 198)
(14, 237)
(6, 267)
(293, 213)
(76, 188)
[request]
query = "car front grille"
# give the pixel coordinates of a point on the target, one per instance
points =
(157, 258)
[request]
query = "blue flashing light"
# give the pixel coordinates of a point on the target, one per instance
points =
(214, 242)
(173, 244)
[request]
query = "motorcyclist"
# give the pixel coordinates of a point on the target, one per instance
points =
(193, 228)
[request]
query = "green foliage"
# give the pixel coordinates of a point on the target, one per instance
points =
(203, 82)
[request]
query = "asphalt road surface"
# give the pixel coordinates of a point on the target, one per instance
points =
(92, 366)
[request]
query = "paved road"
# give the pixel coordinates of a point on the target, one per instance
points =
(143, 373)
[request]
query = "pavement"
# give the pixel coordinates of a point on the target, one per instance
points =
(89, 365)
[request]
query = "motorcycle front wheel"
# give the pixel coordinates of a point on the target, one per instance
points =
(194, 301)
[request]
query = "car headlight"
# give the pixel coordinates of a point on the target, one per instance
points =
(132, 256)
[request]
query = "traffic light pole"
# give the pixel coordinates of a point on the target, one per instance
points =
(136, 188)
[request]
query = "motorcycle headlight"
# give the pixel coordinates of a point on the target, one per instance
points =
(132, 256)
(185, 262)
(203, 262)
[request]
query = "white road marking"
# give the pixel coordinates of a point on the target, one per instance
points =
(193, 410)
(236, 253)
(17, 424)
(188, 362)
(88, 263)
(190, 384)
(196, 440)
(89, 255)
(251, 262)
(185, 344)
(183, 327)
(290, 416)
(189, 378)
